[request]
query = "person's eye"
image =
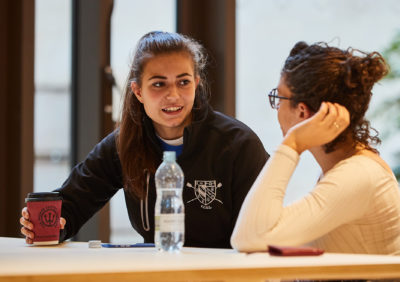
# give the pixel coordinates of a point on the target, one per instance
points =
(184, 82)
(158, 84)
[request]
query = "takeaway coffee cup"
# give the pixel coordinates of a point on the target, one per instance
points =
(44, 212)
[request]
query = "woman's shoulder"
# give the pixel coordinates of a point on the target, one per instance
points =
(360, 178)
(107, 146)
(229, 125)
(376, 159)
(366, 167)
(110, 137)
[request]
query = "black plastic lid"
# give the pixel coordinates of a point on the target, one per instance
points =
(43, 196)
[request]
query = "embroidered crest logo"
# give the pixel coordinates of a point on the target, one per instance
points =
(205, 192)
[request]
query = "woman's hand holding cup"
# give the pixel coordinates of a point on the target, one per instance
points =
(27, 226)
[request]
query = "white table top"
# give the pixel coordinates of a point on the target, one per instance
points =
(17, 259)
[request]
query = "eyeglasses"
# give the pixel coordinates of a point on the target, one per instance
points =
(273, 97)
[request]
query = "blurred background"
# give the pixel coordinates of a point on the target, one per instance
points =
(260, 33)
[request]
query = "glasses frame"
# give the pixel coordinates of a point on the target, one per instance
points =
(272, 96)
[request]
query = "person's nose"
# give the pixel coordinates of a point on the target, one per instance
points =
(173, 93)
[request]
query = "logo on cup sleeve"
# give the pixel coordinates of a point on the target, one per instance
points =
(48, 216)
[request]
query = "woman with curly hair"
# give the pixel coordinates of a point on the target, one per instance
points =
(321, 100)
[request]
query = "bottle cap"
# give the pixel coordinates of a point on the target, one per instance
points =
(169, 156)
(94, 244)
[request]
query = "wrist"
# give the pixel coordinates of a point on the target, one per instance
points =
(290, 141)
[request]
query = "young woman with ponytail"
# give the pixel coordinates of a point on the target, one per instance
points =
(166, 108)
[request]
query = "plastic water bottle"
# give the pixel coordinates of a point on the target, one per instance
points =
(169, 209)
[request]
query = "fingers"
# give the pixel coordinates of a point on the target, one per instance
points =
(25, 213)
(27, 232)
(24, 220)
(62, 222)
(26, 223)
(29, 235)
(334, 116)
(322, 112)
(343, 116)
(27, 226)
(28, 241)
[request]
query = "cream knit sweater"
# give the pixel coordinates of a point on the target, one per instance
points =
(354, 208)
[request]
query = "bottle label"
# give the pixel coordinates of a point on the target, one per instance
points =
(170, 222)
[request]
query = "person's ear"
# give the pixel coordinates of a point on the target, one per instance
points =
(137, 91)
(197, 81)
(304, 111)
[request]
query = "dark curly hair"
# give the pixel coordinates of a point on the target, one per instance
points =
(318, 72)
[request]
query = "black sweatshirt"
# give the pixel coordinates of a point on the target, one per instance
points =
(221, 159)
